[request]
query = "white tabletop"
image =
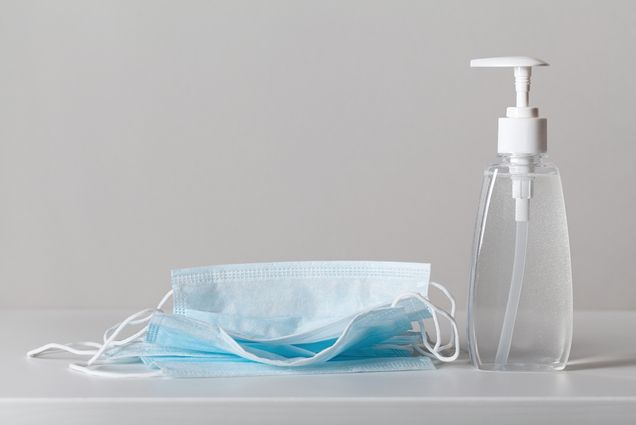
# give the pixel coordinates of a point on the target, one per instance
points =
(598, 386)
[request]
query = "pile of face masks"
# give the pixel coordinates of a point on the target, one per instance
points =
(279, 318)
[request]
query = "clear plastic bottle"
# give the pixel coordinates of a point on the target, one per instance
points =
(520, 303)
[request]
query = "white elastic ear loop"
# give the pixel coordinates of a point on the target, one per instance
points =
(445, 291)
(68, 347)
(96, 347)
(432, 350)
(159, 307)
(130, 320)
(89, 367)
(448, 295)
(109, 342)
(93, 370)
(455, 337)
(435, 351)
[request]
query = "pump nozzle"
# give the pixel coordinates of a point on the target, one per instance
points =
(521, 131)
(523, 70)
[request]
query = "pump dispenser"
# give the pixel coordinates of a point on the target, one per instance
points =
(520, 304)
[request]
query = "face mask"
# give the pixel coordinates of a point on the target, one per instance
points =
(364, 330)
(307, 317)
(392, 355)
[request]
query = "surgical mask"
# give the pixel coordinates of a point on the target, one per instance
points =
(307, 317)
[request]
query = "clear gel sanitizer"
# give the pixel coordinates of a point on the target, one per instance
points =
(520, 306)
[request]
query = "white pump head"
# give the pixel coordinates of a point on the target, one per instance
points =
(521, 131)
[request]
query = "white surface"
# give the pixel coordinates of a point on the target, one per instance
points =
(598, 385)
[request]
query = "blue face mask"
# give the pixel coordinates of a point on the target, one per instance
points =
(201, 353)
(301, 317)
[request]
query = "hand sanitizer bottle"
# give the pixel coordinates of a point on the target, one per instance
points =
(520, 303)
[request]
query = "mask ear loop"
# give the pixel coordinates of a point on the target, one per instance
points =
(110, 340)
(448, 295)
(455, 337)
(433, 351)
(93, 370)
(69, 347)
(79, 348)
(141, 332)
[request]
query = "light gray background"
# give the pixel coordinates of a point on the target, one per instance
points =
(140, 136)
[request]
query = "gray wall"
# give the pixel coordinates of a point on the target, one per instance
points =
(140, 136)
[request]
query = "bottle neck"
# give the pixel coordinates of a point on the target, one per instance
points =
(530, 160)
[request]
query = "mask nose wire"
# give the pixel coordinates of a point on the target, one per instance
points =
(80, 348)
